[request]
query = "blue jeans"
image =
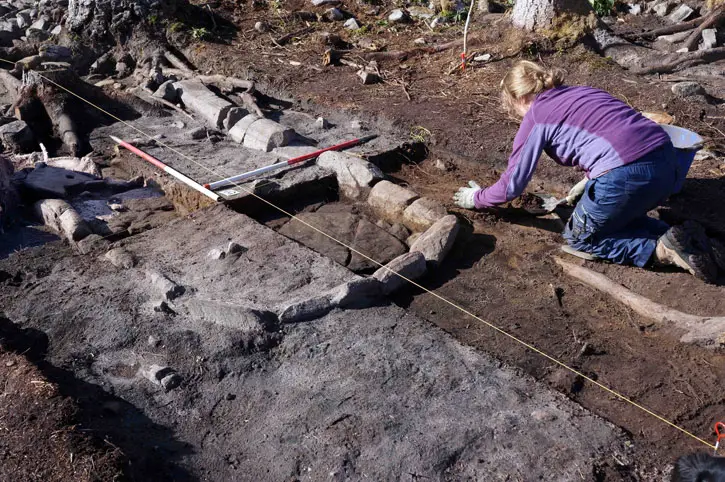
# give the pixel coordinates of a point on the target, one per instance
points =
(610, 221)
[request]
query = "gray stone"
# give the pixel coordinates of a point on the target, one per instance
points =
(198, 98)
(351, 24)
(687, 89)
(398, 16)
(76, 164)
(265, 135)
(661, 9)
(419, 41)
(399, 231)
(261, 27)
(235, 248)
(121, 258)
(440, 165)
(709, 39)
(23, 19)
(167, 91)
(358, 293)
(57, 30)
(319, 3)
(341, 225)
(91, 243)
(376, 243)
(682, 13)
(230, 315)
(122, 70)
(198, 133)
(234, 115)
(17, 137)
(422, 214)
(354, 176)
(321, 123)
(334, 14)
(60, 216)
(239, 130)
(634, 8)
(163, 285)
(420, 12)
(40, 24)
(162, 376)
(410, 265)
(437, 241)
(438, 21)
(389, 200)
(306, 310)
(368, 77)
(482, 58)
(216, 254)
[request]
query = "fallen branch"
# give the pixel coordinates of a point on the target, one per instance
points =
(698, 329)
(176, 62)
(711, 20)
(670, 63)
(680, 27)
(286, 38)
(250, 103)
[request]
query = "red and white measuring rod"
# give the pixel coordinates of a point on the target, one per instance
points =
(186, 180)
(241, 177)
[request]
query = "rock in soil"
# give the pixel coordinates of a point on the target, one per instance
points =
(437, 241)
(410, 265)
(422, 214)
(354, 175)
(265, 135)
(687, 89)
(121, 258)
(17, 137)
(389, 200)
(376, 243)
(163, 285)
(163, 376)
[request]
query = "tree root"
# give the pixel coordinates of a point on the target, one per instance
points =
(702, 330)
(673, 62)
(677, 28)
(177, 63)
(717, 16)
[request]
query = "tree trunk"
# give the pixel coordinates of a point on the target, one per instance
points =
(540, 14)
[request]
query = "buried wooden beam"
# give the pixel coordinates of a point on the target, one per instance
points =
(702, 330)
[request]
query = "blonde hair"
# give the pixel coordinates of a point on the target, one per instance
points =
(527, 78)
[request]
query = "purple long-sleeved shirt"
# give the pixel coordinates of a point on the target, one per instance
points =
(579, 127)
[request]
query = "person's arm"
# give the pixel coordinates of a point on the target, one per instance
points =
(528, 145)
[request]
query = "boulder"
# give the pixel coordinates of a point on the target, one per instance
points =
(437, 241)
(120, 258)
(60, 217)
(49, 181)
(198, 98)
(341, 225)
(265, 135)
(239, 130)
(376, 243)
(354, 176)
(389, 200)
(17, 137)
(687, 89)
(306, 310)
(422, 214)
(409, 265)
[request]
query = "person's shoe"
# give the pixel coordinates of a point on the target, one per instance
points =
(681, 246)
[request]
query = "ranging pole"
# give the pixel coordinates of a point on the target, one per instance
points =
(170, 170)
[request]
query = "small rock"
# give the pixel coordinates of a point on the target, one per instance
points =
(438, 240)
(398, 16)
(121, 258)
(239, 130)
(661, 9)
(162, 376)
(321, 123)
(171, 381)
(419, 41)
(178, 124)
(40, 24)
(164, 286)
(356, 125)
(422, 214)
(358, 293)
(10, 363)
(153, 342)
(409, 265)
(306, 310)
(23, 19)
(682, 13)
(234, 248)
(17, 137)
(56, 30)
(687, 89)
(440, 165)
(634, 9)
(352, 24)
(198, 134)
(438, 21)
(261, 27)
(482, 58)
(266, 134)
(216, 253)
(368, 77)
(334, 15)
(709, 39)
(123, 70)
(390, 200)
(119, 208)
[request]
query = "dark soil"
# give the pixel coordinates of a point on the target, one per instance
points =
(41, 438)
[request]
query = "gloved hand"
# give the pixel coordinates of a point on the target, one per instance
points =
(576, 192)
(465, 195)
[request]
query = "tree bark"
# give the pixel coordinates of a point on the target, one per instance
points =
(540, 14)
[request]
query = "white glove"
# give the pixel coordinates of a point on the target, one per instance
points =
(465, 195)
(576, 192)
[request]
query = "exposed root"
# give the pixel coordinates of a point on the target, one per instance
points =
(673, 62)
(698, 329)
(227, 83)
(177, 63)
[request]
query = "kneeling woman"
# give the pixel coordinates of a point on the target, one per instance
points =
(629, 161)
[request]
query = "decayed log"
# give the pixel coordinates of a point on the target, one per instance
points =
(703, 330)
